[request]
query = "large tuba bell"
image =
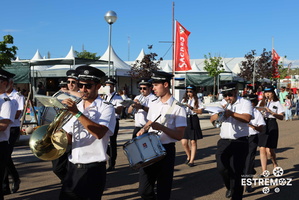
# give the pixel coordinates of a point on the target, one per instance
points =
(49, 142)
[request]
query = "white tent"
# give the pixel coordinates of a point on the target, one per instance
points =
(140, 56)
(118, 65)
(36, 57)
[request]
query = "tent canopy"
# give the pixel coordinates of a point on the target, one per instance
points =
(66, 61)
(21, 70)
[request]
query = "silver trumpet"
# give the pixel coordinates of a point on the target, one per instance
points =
(221, 117)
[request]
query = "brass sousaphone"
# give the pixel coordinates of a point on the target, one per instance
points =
(49, 142)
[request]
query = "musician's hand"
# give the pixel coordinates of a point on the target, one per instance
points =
(228, 113)
(140, 132)
(157, 126)
(71, 105)
(64, 90)
(137, 105)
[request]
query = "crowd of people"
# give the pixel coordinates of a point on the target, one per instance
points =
(249, 122)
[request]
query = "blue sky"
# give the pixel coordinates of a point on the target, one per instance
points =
(224, 28)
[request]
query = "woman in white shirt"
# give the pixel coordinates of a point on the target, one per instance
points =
(193, 131)
(272, 110)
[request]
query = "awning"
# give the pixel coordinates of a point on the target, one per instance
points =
(21, 70)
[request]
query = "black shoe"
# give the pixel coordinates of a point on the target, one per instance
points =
(186, 162)
(15, 186)
(6, 191)
(110, 169)
(249, 189)
(228, 194)
(191, 164)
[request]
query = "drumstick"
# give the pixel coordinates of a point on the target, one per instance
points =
(146, 129)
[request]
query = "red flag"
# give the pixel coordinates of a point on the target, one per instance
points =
(275, 59)
(181, 59)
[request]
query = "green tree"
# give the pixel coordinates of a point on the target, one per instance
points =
(87, 55)
(145, 67)
(214, 67)
(262, 65)
(7, 53)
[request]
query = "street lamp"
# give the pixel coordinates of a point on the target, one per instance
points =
(110, 18)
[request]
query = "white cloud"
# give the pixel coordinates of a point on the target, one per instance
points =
(10, 30)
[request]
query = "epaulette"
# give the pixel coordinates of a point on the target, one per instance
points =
(155, 99)
(6, 99)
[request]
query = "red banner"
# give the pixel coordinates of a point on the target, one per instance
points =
(181, 58)
(275, 59)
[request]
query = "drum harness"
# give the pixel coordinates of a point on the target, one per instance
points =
(164, 117)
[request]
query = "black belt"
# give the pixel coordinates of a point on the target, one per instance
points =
(89, 165)
(269, 119)
(245, 138)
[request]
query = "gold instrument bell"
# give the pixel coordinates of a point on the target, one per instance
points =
(49, 142)
(48, 146)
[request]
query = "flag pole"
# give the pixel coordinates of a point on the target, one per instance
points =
(173, 53)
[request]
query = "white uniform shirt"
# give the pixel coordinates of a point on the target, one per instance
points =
(257, 120)
(116, 101)
(232, 128)
(177, 118)
(85, 147)
(274, 106)
(191, 102)
(6, 112)
(18, 103)
(140, 115)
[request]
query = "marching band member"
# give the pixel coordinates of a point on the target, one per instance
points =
(72, 80)
(7, 116)
(272, 109)
(69, 85)
(88, 130)
(256, 126)
(232, 148)
(141, 105)
(170, 127)
(193, 132)
(17, 100)
(116, 100)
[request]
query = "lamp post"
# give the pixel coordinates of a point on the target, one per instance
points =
(110, 18)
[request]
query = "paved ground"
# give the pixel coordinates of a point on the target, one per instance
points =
(199, 182)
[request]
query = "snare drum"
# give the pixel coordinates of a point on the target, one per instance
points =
(144, 150)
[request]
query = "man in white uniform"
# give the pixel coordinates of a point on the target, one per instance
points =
(17, 100)
(71, 86)
(232, 148)
(116, 100)
(256, 126)
(170, 126)
(7, 115)
(140, 107)
(88, 130)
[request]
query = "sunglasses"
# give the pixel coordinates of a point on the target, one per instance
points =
(71, 82)
(87, 85)
(189, 91)
(229, 94)
(143, 88)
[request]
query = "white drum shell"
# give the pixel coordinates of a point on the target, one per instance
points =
(144, 150)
